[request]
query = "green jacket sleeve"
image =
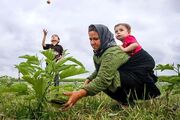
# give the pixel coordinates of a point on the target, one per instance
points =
(107, 76)
(92, 76)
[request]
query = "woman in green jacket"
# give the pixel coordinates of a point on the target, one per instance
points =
(108, 76)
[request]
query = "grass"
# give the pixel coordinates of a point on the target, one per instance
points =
(100, 107)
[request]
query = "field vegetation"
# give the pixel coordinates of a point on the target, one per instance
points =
(34, 96)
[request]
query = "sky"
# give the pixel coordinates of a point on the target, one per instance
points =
(155, 24)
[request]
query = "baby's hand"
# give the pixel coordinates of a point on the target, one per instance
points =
(121, 47)
(45, 31)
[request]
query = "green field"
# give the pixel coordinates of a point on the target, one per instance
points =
(17, 101)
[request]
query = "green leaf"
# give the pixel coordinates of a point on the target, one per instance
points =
(65, 53)
(164, 67)
(31, 59)
(170, 79)
(37, 73)
(49, 54)
(29, 79)
(20, 88)
(63, 67)
(40, 87)
(73, 80)
(71, 59)
(49, 68)
(26, 68)
(75, 61)
(61, 61)
(22, 69)
(71, 71)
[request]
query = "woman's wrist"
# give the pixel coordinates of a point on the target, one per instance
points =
(82, 93)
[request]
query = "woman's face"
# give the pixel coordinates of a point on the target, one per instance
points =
(94, 40)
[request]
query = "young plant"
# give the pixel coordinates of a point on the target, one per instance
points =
(41, 78)
(173, 81)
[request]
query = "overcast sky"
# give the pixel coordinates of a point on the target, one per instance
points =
(155, 24)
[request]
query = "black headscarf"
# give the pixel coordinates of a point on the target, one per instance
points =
(106, 38)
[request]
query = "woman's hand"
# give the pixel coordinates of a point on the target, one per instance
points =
(73, 98)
